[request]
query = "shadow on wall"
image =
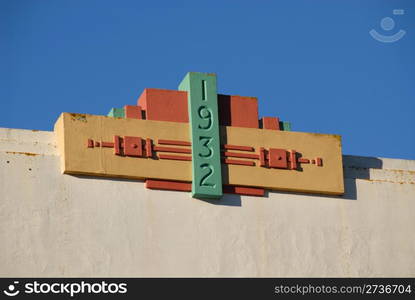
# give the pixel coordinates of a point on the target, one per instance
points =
(226, 200)
(105, 178)
(354, 167)
(357, 167)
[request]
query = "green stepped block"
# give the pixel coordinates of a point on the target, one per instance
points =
(285, 126)
(117, 113)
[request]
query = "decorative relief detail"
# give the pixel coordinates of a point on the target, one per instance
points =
(268, 158)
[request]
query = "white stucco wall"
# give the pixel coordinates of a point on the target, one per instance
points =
(61, 225)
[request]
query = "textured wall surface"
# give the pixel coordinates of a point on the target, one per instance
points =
(61, 225)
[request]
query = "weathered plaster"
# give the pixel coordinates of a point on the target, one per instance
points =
(62, 225)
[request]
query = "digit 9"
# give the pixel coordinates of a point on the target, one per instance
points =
(205, 114)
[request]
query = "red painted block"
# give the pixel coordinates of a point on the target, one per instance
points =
(262, 156)
(149, 148)
(187, 187)
(277, 158)
(236, 147)
(238, 111)
(171, 106)
(164, 105)
(271, 123)
(133, 112)
(174, 157)
(172, 149)
(107, 144)
(239, 162)
(174, 142)
(117, 145)
(168, 185)
(319, 161)
(241, 155)
(293, 159)
(243, 190)
(133, 146)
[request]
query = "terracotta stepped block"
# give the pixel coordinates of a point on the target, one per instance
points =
(133, 112)
(171, 106)
(238, 111)
(270, 123)
(164, 105)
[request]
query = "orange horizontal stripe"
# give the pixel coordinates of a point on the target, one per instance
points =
(173, 142)
(174, 157)
(172, 149)
(239, 162)
(304, 160)
(241, 155)
(107, 144)
(235, 147)
(168, 185)
(243, 190)
(187, 187)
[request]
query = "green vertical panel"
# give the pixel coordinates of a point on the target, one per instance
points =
(116, 113)
(287, 126)
(204, 132)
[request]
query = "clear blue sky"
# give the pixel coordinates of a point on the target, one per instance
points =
(309, 62)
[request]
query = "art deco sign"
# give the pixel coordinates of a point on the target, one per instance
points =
(196, 140)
